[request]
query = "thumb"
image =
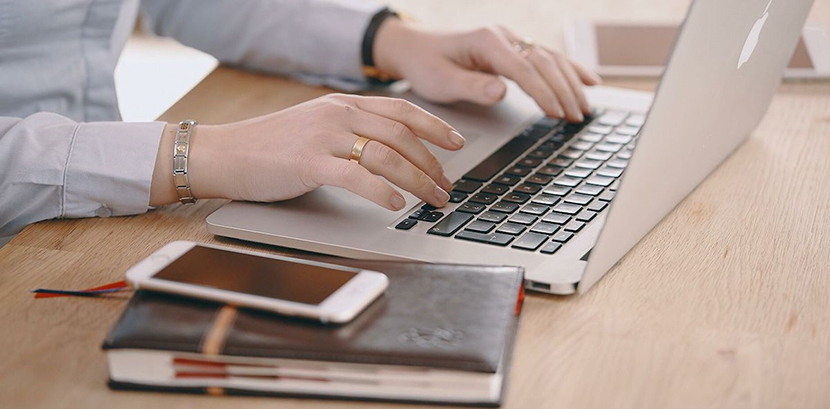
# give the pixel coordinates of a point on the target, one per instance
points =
(474, 86)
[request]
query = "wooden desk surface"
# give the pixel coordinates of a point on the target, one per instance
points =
(725, 304)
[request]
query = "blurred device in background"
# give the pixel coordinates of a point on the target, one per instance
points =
(642, 49)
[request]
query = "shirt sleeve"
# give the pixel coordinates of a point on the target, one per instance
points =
(316, 40)
(52, 167)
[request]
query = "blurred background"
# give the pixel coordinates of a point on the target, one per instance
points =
(153, 73)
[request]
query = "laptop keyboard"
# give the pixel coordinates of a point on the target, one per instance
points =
(541, 188)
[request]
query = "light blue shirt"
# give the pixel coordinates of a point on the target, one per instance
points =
(63, 152)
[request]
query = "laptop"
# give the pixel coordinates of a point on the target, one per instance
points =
(566, 201)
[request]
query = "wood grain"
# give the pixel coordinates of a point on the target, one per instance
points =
(725, 304)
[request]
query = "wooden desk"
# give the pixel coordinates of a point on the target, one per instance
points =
(725, 304)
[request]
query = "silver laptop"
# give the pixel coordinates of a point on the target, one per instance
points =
(566, 201)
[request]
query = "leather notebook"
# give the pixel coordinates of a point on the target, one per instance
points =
(441, 333)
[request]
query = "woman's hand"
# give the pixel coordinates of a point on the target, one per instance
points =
(294, 151)
(449, 67)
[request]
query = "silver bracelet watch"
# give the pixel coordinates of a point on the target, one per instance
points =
(181, 148)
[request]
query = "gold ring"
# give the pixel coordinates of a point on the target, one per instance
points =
(357, 149)
(524, 47)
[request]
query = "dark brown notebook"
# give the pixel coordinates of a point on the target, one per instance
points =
(440, 333)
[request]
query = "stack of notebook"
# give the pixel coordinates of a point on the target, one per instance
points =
(441, 333)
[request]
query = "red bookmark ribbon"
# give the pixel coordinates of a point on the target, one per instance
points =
(90, 292)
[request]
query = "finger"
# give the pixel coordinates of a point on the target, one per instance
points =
(358, 180)
(421, 122)
(498, 53)
(587, 76)
(387, 162)
(473, 86)
(400, 138)
(549, 68)
(574, 81)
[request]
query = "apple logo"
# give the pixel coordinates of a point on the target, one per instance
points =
(752, 38)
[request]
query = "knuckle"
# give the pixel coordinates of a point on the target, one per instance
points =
(399, 131)
(403, 106)
(387, 156)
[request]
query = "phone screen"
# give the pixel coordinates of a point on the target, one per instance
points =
(266, 277)
(649, 46)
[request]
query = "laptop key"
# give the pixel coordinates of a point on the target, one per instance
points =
(567, 208)
(428, 207)
(546, 200)
(493, 238)
(598, 155)
(625, 154)
(567, 181)
(561, 162)
(610, 172)
(450, 224)
(495, 189)
(614, 186)
(608, 147)
(406, 224)
(507, 180)
(557, 218)
(618, 163)
(581, 145)
(468, 207)
(480, 226)
(550, 171)
(571, 154)
(530, 241)
(518, 171)
(538, 179)
(599, 181)
(550, 248)
(493, 217)
(528, 188)
(588, 164)
(574, 226)
(612, 118)
(516, 197)
(540, 154)
(591, 137)
(562, 236)
(636, 120)
(628, 130)
(457, 197)
(579, 199)
(597, 205)
(534, 209)
(578, 173)
(432, 217)
(617, 138)
(466, 186)
(607, 196)
(529, 162)
(483, 198)
(522, 218)
(504, 207)
(511, 228)
(587, 189)
(586, 216)
(556, 190)
(494, 163)
(600, 129)
(545, 228)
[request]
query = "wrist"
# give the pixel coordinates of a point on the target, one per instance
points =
(390, 45)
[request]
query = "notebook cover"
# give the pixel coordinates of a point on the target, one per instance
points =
(457, 317)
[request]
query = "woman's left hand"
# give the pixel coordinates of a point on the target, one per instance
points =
(464, 66)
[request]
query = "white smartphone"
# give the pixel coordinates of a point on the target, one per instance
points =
(288, 286)
(641, 50)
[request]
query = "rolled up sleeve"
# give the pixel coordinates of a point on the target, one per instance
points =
(308, 38)
(53, 167)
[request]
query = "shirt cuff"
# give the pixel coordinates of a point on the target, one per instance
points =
(110, 169)
(336, 44)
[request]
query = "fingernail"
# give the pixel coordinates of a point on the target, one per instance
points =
(560, 113)
(446, 183)
(397, 201)
(495, 90)
(441, 195)
(580, 117)
(456, 139)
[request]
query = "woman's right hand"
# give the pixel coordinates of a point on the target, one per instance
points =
(291, 152)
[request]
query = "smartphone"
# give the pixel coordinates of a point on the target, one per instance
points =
(283, 285)
(642, 50)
